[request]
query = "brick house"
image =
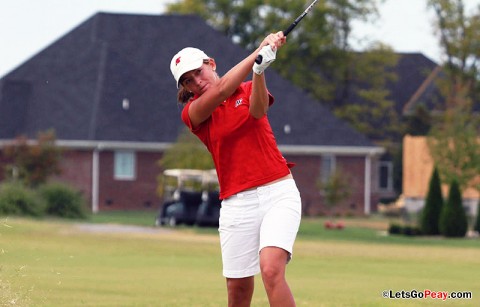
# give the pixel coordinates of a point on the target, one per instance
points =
(106, 89)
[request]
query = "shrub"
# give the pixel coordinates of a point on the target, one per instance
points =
(395, 229)
(412, 231)
(430, 216)
(33, 163)
(407, 230)
(16, 199)
(453, 219)
(63, 201)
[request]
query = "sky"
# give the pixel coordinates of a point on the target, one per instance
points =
(29, 26)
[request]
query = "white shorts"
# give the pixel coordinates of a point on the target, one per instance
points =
(251, 220)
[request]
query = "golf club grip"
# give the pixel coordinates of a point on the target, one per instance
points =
(290, 28)
(259, 58)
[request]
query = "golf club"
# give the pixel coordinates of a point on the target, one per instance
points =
(258, 60)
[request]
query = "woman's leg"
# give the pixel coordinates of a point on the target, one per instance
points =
(273, 261)
(240, 291)
(239, 226)
(282, 205)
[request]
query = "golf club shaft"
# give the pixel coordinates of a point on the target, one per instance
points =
(258, 60)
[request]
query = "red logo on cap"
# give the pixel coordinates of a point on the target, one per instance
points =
(177, 61)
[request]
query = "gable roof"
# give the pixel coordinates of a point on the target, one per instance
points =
(428, 94)
(416, 83)
(109, 80)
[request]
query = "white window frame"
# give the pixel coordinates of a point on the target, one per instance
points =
(124, 165)
(327, 167)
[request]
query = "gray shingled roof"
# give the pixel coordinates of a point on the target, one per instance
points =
(78, 84)
(415, 84)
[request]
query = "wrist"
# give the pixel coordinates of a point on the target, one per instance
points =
(257, 69)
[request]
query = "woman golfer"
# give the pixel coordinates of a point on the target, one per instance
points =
(261, 207)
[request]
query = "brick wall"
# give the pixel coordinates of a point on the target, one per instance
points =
(140, 193)
(306, 173)
(114, 194)
(76, 170)
(136, 194)
(3, 162)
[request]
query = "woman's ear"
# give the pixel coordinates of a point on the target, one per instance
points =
(213, 64)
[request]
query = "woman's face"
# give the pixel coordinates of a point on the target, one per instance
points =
(198, 81)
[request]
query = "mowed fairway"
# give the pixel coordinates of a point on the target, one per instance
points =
(53, 263)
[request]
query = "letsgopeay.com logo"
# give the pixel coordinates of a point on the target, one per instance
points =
(426, 294)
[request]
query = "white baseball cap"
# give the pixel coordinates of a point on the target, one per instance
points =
(186, 60)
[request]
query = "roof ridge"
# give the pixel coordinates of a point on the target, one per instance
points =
(98, 91)
(421, 89)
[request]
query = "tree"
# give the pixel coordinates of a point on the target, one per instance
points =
(419, 122)
(454, 138)
(370, 106)
(33, 162)
(247, 22)
(455, 147)
(459, 36)
(188, 152)
(430, 216)
(454, 142)
(335, 189)
(318, 56)
(453, 219)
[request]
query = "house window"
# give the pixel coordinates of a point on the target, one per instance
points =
(124, 165)
(385, 175)
(328, 167)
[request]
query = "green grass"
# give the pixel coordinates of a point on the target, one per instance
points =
(139, 218)
(374, 230)
(56, 263)
(366, 230)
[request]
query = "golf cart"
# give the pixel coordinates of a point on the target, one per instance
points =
(190, 198)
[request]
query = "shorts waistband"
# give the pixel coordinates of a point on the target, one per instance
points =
(254, 191)
(284, 182)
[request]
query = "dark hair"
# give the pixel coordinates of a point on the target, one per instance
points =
(184, 96)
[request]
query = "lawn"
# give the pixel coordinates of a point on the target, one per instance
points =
(58, 263)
